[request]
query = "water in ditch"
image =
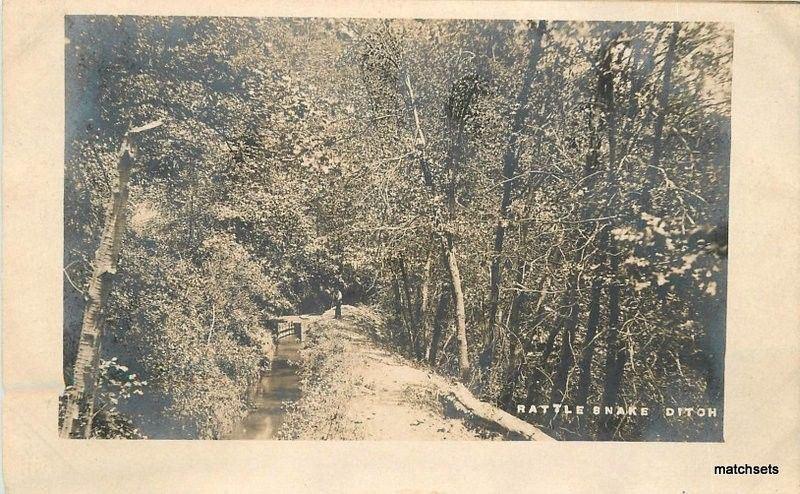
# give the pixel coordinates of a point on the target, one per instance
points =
(278, 385)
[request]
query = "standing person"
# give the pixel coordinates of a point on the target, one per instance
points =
(338, 299)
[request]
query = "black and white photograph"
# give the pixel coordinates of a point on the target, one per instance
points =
(318, 228)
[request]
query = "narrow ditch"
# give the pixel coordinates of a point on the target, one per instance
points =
(278, 385)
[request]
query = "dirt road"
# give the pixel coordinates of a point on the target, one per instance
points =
(353, 389)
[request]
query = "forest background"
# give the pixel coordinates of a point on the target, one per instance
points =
(539, 208)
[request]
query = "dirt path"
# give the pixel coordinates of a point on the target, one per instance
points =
(353, 389)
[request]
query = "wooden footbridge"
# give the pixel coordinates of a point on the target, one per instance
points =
(287, 326)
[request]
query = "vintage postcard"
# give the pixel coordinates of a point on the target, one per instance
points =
(403, 227)
(287, 228)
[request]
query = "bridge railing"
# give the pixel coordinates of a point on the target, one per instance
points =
(281, 328)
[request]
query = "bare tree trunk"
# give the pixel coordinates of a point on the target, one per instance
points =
(458, 106)
(510, 164)
(605, 96)
(518, 301)
(398, 310)
(538, 311)
(551, 337)
(425, 287)
(408, 311)
(513, 370)
(459, 307)
(439, 321)
(567, 301)
(421, 312)
(617, 352)
(567, 357)
(448, 248)
(585, 364)
(80, 400)
(456, 111)
(587, 354)
(661, 115)
(616, 355)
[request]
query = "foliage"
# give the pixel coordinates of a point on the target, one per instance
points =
(300, 156)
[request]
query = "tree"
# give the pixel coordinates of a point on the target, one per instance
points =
(510, 164)
(80, 402)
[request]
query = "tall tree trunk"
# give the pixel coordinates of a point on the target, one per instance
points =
(571, 299)
(421, 312)
(457, 109)
(403, 340)
(616, 355)
(455, 156)
(569, 309)
(520, 301)
(439, 322)
(617, 352)
(658, 126)
(458, 307)
(585, 365)
(424, 290)
(587, 354)
(550, 343)
(510, 165)
(567, 357)
(408, 311)
(513, 369)
(80, 400)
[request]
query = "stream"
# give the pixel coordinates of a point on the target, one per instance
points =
(276, 386)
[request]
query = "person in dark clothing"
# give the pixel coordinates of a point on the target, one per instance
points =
(338, 301)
